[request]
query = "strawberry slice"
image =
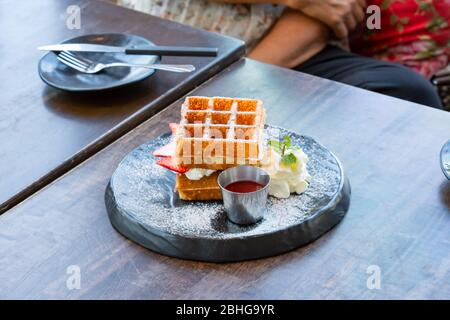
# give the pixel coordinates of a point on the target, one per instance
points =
(168, 163)
(169, 149)
(166, 151)
(173, 127)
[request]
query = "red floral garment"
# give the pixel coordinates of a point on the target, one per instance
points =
(415, 33)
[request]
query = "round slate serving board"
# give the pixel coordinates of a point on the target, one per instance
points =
(142, 205)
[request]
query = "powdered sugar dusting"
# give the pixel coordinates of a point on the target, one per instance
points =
(145, 191)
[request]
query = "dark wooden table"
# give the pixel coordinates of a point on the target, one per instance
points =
(399, 218)
(45, 132)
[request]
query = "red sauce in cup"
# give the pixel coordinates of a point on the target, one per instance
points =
(244, 186)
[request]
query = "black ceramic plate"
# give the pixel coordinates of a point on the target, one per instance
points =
(445, 159)
(142, 205)
(60, 76)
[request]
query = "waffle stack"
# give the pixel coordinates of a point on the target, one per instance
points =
(215, 134)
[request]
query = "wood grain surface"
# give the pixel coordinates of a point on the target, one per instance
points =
(43, 131)
(399, 218)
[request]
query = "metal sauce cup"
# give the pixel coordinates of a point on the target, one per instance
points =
(249, 207)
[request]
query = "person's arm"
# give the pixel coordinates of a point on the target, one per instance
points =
(292, 40)
(280, 2)
(341, 16)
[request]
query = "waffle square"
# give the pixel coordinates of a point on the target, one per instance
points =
(218, 132)
(206, 188)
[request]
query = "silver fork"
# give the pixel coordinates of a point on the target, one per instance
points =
(86, 65)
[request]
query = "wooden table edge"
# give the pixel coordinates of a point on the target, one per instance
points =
(124, 127)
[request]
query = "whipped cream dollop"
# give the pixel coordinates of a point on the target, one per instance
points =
(198, 173)
(286, 178)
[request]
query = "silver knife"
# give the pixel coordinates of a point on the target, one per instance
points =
(150, 50)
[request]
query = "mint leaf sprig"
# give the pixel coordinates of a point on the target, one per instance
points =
(282, 147)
